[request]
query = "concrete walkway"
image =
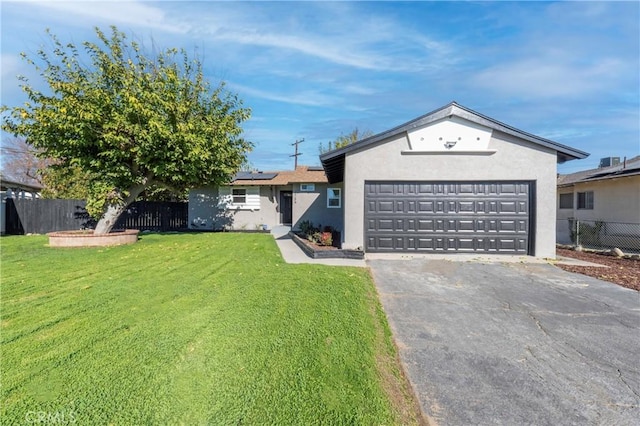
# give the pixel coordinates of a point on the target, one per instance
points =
(293, 254)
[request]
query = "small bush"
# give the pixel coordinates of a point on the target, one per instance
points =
(313, 233)
(307, 229)
(326, 239)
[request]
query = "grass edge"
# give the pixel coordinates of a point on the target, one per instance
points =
(393, 377)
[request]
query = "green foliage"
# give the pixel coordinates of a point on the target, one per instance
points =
(343, 140)
(313, 233)
(128, 120)
(307, 228)
(191, 329)
(156, 193)
(65, 182)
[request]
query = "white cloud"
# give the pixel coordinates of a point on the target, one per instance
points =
(116, 12)
(373, 43)
(544, 77)
(358, 89)
(328, 51)
(307, 98)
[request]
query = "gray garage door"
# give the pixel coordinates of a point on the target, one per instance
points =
(460, 217)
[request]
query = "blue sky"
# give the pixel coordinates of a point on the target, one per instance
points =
(566, 71)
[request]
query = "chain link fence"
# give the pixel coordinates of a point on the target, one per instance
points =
(598, 234)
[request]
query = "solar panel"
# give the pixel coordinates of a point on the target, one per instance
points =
(254, 176)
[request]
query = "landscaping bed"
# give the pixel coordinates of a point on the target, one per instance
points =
(317, 251)
(619, 270)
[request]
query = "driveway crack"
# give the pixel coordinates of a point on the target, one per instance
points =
(627, 384)
(538, 324)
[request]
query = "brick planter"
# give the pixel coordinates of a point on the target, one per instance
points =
(88, 239)
(317, 253)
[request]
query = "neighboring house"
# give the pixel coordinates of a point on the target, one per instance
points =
(257, 200)
(15, 190)
(450, 181)
(610, 193)
(12, 189)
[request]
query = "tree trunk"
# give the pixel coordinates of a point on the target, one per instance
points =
(113, 212)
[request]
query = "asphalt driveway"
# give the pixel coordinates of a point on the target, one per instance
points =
(514, 343)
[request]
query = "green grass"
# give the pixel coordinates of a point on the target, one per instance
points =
(192, 329)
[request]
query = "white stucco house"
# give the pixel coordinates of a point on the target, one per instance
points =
(451, 181)
(257, 200)
(609, 194)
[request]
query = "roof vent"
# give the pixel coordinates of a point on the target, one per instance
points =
(609, 161)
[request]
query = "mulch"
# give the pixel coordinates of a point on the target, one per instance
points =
(621, 271)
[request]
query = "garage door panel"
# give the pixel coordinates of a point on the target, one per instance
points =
(427, 225)
(466, 206)
(428, 243)
(523, 207)
(507, 207)
(448, 217)
(426, 206)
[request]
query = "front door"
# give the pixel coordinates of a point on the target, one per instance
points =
(286, 207)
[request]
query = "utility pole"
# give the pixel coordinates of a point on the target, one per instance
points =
(295, 156)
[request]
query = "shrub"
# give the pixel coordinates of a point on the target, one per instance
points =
(326, 239)
(307, 229)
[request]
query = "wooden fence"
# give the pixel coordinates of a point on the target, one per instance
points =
(39, 216)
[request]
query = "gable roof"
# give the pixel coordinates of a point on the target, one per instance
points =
(333, 161)
(302, 174)
(626, 168)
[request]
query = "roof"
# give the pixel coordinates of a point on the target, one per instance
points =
(302, 174)
(626, 168)
(10, 184)
(333, 161)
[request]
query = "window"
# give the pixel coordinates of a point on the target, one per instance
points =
(307, 187)
(239, 196)
(334, 198)
(585, 200)
(566, 201)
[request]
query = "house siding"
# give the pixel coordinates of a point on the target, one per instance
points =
(313, 206)
(205, 212)
(513, 160)
(614, 200)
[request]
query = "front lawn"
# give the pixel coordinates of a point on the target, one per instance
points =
(192, 329)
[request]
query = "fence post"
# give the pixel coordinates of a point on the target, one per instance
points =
(577, 232)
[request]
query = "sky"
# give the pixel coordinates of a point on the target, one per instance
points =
(565, 71)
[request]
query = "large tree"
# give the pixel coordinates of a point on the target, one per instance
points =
(130, 121)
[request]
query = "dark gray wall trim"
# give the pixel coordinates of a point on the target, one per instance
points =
(533, 210)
